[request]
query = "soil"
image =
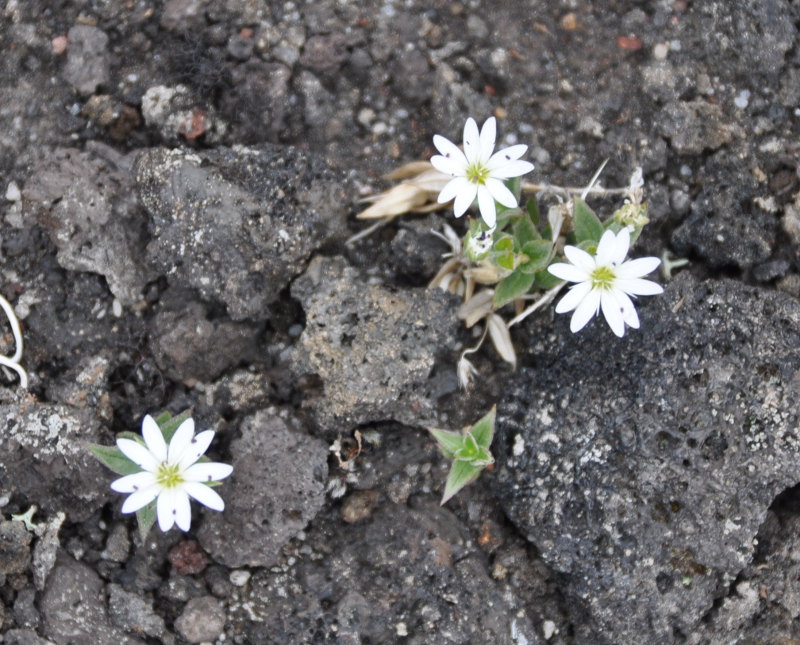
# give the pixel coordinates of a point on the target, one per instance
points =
(178, 181)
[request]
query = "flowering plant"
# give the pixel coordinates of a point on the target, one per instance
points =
(162, 469)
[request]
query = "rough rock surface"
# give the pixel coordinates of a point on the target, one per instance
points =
(644, 475)
(237, 224)
(202, 620)
(374, 348)
(276, 489)
(85, 200)
(88, 59)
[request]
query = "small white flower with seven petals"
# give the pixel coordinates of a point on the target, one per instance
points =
(477, 172)
(605, 282)
(170, 473)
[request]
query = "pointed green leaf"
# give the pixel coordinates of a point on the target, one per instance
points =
(449, 442)
(539, 253)
(171, 424)
(504, 244)
(545, 280)
(505, 215)
(505, 261)
(112, 458)
(469, 450)
(461, 474)
(525, 231)
(483, 430)
(587, 225)
(146, 517)
(483, 458)
(533, 211)
(132, 436)
(512, 287)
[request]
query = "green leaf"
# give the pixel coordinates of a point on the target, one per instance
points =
(132, 436)
(515, 186)
(483, 430)
(505, 260)
(533, 211)
(539, 253)
(469, 450)
(461, 474)
(525, 231)
(482, 458)
(512, 287)
(545, 280)
(505, 215)
(449, 442)
(587, 225)
(112, 458)
(504, 244)
(146, 516)
(169, 425)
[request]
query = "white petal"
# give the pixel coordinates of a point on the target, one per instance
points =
(154, 438)
(140, 499)
(166, 509)
(638, 287)
(512, 169)
(637, 268)
(606, 249)
(205, 495)
(138, 454)
(585, 311)
(448, 166)
(464, 199)
(573, 297)
(207, 472)
(628, 309)
(472, 140)
(132, 483)
(487, 138)
(613, 313)
(486, 206)
(453, 188)
(196, 449)
(449, 149)
(501, 193)
(180, 441)
(506, 155)
(183, 510)
(568, 272)
(622, 245)
(580, 258)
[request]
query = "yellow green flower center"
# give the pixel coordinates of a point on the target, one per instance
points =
(477, 173)
(169, 476)
(603, 278)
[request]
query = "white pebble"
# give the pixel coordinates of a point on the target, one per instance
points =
(13, 193)
(742, 99)
(548, 628)
(239, 577)
(660, 51)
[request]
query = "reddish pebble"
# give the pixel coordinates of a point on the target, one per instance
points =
(246, 32)
(629, 43)
(187, 558)
(59, 44)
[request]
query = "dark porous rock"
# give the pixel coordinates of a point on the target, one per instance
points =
(73, 608)
(130, 612)
(415, 251)
(237, 224)
(15, 552)
(202, 620)
(642, 468)
(374, 348)
(188, 344)
(45, 459)
(256, 104)
(695, 126)
(725, 228)
(87, 59)
(324, 54)
(276, 489)
(85, 200)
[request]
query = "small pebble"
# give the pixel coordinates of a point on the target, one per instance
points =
(742, 99)
(660, 51)
(13, 193)
(239, 577)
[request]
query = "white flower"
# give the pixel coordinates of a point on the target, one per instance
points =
(477, 172)
(170, 474)
(605, 282)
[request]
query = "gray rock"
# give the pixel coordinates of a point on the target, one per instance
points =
(257, 104)
(238, 224)
(324, 54)
(118, 544)
(132, 613)
(46, 549)
(725, 227)
(276, 489)
(695, 126)
(188, 345)
(44, 458)
(184, 16)
(178, 114)
(15, 552)
(85, 200)
(649, 465)
(88, 59)
(73, 609)
(25, 612)
(202, 619)
(24, 637)
(374, 348)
